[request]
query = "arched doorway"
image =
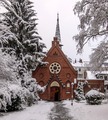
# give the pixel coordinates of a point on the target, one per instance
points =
(55, 91)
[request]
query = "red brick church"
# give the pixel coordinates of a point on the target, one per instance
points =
(58, 75)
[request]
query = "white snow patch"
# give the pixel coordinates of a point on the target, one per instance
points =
(39, 111)
(79, 111)
(83, 111)
(90, 75)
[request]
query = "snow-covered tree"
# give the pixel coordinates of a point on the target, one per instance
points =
(79, 92)
(8, 99)
(21, 19)
(15, 93)
(22, 52)
(99, 56)
(6, 36)
(93, 16)
(7, 69)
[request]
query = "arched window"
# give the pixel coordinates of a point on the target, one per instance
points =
(68, 85)
(54, 83)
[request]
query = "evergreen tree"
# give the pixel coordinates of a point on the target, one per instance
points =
(21, 19)
(79, 92)
(19, 38)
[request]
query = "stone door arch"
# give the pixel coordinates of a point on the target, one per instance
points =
(54, 91)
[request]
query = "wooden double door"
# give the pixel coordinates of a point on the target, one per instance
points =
(55, 93)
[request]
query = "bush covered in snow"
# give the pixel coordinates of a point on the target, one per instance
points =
(31, 84)
(14, 97)
(11, 98)
(94, 97)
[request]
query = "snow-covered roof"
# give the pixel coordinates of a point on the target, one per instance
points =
(90, 75)
(80, 64)
(77, 64)
(102, 72)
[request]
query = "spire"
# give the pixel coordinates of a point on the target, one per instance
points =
(57, 33)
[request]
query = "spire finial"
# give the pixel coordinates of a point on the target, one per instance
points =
(57, 33)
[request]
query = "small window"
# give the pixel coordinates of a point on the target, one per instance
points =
(80, 75)
(105, 77)
(55, 54)
(68, 85)
(79, 69)
(101, 77)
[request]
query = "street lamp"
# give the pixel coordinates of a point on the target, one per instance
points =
(72, 93)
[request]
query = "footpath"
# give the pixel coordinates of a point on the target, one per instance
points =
(59, 112)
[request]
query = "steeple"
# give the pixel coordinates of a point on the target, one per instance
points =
(57, 33)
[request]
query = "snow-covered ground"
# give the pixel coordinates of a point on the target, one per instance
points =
(39, 111)
(83, 111)
(79, 111)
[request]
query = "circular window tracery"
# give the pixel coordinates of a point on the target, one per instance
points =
(55, 68)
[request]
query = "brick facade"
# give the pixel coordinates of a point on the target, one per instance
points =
(58, 75)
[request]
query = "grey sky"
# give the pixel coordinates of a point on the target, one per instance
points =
(47, 14)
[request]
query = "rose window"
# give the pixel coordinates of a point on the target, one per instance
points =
(55, 68)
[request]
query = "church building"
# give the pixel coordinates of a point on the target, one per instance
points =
(58, 75)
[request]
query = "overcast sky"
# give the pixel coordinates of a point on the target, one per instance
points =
(47, 14)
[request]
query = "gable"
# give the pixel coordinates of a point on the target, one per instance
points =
(55, 54)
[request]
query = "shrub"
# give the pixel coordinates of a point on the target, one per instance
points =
(13, 98)
(94, 97)
(16, 104)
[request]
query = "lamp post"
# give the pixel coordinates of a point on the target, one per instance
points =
(73, 83)
(72, 93)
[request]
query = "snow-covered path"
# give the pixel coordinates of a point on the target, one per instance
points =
(59, 112)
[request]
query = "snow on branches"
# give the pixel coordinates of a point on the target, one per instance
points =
(7, 68)
(21, 20)
(99, 56)
(7, 4)
(22, 52)
(79, 92)
(15, 93)
(93, 16)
